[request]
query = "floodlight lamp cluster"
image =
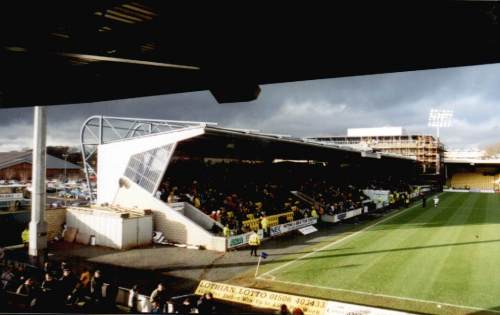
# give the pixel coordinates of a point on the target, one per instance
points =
(440, 118)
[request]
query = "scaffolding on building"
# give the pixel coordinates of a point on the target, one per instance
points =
(426, 149)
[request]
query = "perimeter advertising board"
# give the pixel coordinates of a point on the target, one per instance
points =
(261, 298)
(342, 216)
(380, 197)
(13, 196)
(273, 300)
(290, 226)
(242, 239)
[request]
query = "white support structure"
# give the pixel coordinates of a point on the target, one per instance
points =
(38, 226)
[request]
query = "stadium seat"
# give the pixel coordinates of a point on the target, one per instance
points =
(472, 181)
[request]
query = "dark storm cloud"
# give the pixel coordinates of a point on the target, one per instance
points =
(307, 108)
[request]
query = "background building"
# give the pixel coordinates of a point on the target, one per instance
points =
(426, 149)
(17, 165)
(464, 154)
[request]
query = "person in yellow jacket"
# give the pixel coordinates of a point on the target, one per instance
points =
(314, 214)
(254, 242)
(25, 236)
(264, 222)
(226, 231)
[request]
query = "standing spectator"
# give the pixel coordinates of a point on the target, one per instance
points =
(226, 231)
(254, 242)
(160, 295)
(297, 311)
(264, 222)
(25, 236)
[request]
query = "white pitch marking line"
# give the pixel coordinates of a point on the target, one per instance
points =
(337, 241)
(383, 295)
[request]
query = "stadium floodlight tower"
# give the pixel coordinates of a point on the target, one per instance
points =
(440, 118)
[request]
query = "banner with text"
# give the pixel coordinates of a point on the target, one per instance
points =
(341, 216)
(261, 298)
(380, 197)
(242, 239)
(290, 226)
(14, 196)
(273, 300)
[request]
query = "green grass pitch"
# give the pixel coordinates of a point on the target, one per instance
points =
(443, 260)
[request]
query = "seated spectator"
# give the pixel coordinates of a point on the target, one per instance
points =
(96, 285)
(284, 310)
(27, 288)
(49, 295)
(8, 279)
(185, 308)
(85, 277)
(159, 295)
(171, 197)
(133, 301)
(68, 283)
(206, 304)
(156, 307)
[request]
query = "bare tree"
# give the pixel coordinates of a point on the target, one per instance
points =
(493, 149)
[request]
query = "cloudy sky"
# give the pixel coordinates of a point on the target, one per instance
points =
(309, 108)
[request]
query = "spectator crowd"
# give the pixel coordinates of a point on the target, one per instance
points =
(231, 193)
(58, 288)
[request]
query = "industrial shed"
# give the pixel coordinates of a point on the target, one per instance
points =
(17, 165)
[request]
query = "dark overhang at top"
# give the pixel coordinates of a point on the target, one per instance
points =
(60, 52)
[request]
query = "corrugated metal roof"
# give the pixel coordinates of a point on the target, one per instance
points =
(8, 159)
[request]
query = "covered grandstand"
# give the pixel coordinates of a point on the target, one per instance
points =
(138, 157)
(473, 174)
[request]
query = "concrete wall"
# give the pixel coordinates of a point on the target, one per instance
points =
(55, 218)
(173, 224)
(137, 231)
(111, 230)
(199, 217)
(112, 158)
(107, 229)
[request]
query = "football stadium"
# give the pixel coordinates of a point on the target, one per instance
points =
(260, 172)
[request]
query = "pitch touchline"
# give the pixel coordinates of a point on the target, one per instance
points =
(268, 273)
(461, 208)
(380, 295)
